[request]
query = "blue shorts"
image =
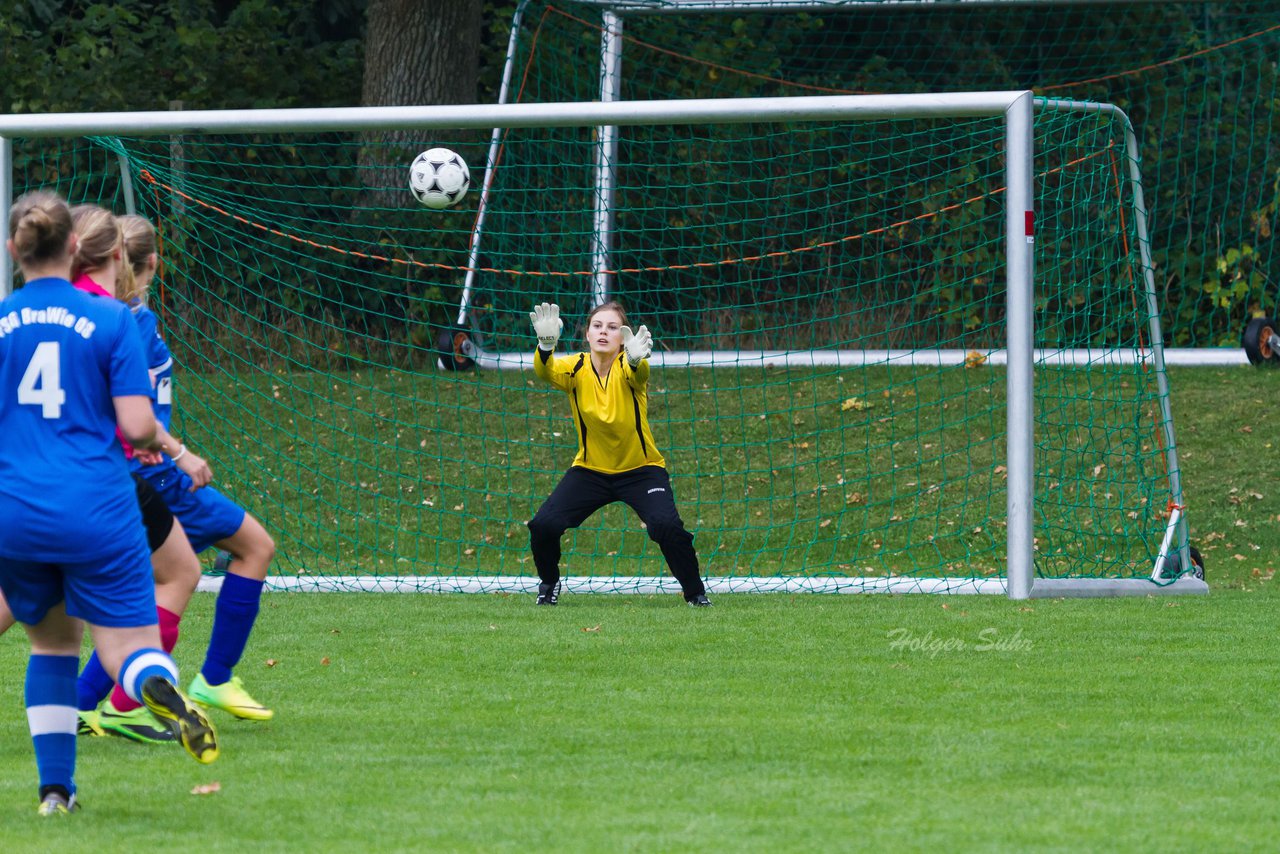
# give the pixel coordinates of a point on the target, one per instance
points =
(117, 591)
(206, 515)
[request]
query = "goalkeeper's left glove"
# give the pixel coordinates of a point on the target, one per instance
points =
(638, 345)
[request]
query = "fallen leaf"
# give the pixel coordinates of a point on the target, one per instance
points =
(271, 662)
(207, 788)
(325, 661)
(591, 628)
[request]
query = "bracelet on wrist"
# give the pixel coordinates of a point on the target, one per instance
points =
(182, 452)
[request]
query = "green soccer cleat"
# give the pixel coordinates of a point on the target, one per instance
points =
(89, 723)
(56, 803)
(169, 705)
(231, 697)
(136, 725)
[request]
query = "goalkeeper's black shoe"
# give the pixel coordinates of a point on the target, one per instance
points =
(699, 601)
(548, 594)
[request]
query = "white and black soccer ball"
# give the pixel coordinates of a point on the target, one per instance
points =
(439, 178)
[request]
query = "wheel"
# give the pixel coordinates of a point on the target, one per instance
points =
(456, 350)
(1173, 565)
(1256, 341)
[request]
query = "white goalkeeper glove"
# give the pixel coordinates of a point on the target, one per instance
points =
(638, 344)
(547, 324)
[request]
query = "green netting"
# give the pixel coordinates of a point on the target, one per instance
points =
(1199, 81)
(303, 306)
(305, 300)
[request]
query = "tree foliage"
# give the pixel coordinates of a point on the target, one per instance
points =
(73, 56)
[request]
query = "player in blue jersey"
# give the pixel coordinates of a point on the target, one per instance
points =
(209, 517)
(617, 459)
(72, 547)
(99, 262)
(101, 266)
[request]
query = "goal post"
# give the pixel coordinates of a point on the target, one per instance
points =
(852, 238)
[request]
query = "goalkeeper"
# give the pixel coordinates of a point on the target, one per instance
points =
(617, 459)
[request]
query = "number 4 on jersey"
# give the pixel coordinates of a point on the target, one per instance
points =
(41, 384)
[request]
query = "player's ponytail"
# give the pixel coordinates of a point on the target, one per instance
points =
(127, 290)
(39, 226)
(140, 243)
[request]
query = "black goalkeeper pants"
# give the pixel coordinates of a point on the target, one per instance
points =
(646, 490)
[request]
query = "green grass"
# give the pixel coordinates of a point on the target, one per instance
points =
(478, 723)
(796, 723)
(823, 471)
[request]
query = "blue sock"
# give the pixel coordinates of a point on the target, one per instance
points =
(141, 665)
(233, 616)
(51, 716)
(94, 684)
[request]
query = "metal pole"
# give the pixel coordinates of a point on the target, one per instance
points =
(177, 158)
(491, 164)
(1133, 156)
(1155, 331)
(737, 7)
(1020, 331)
(6, 202)
(606, 158)
(458, 116)
(126, 185)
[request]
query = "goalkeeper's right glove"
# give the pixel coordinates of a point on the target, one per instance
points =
(546, 325)
(637, 345)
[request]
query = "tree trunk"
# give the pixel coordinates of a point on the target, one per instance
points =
(417, 52)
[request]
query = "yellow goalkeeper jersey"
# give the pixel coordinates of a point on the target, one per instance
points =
(611, 414)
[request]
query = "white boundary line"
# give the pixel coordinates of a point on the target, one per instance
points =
(742, 584)
(1188, 357)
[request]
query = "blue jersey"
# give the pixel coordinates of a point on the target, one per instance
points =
(160, 367)
(65, 490)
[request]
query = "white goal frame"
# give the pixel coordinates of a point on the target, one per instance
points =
(1015, 108)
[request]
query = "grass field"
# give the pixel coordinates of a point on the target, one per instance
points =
(799, 471)
(797, 723)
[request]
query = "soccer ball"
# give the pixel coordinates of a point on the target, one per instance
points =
(439, 178)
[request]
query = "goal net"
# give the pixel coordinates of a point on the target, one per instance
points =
(847, 386)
